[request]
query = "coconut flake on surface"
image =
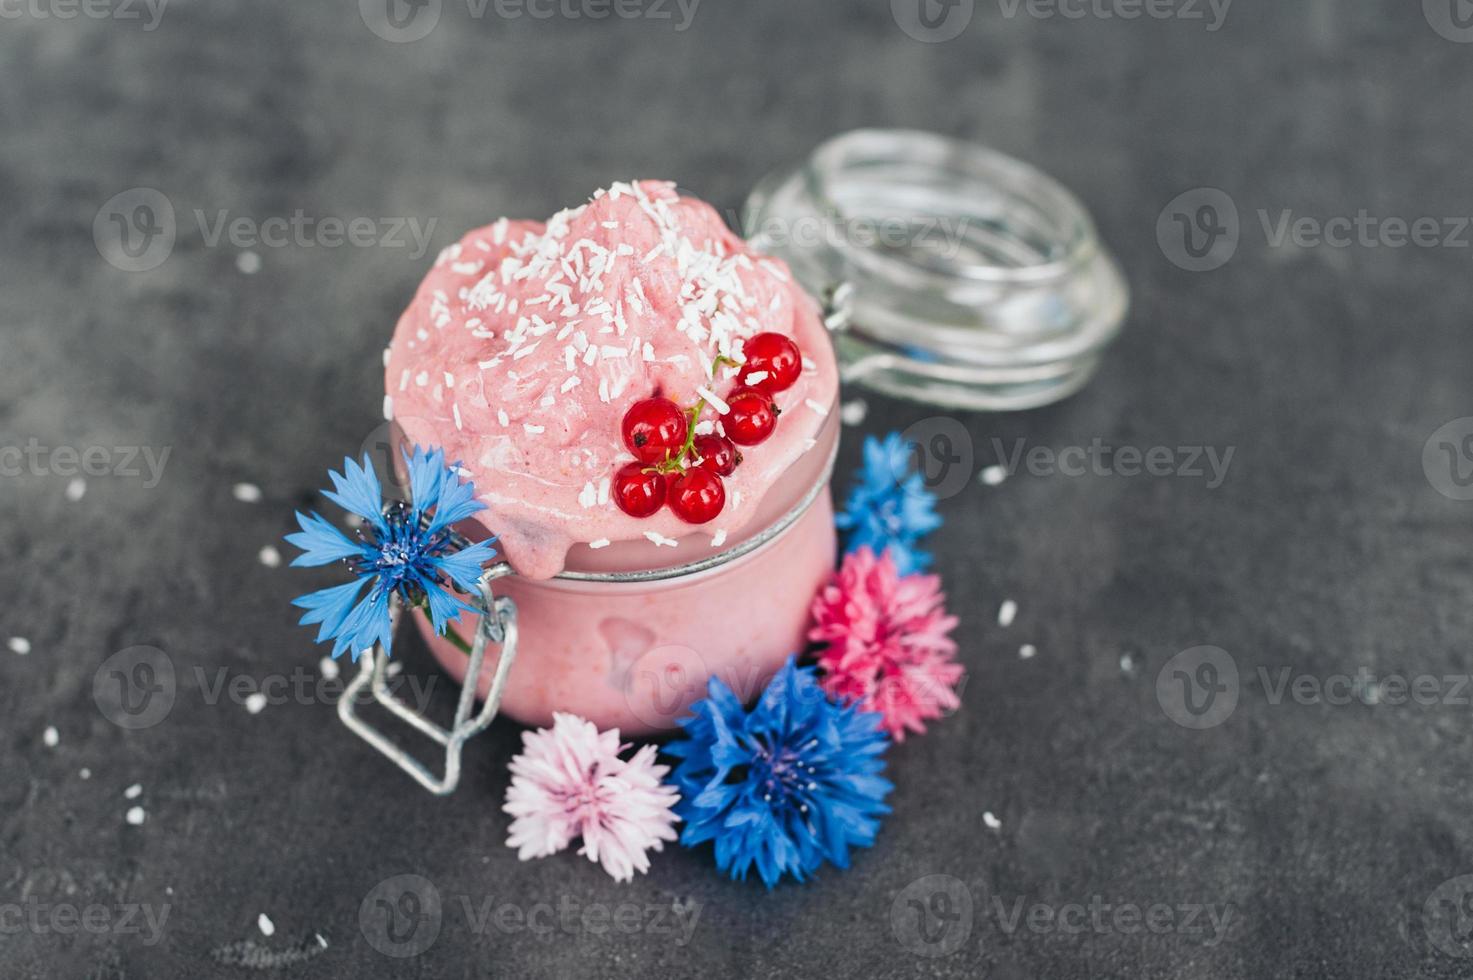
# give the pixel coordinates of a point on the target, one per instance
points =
(994, 475)
(255, 703)
(246, 493)
(19, 645)
(1007, 612)
(76, 489)
(264, 923)
(1027, 651)
(51, 737)
(135, 816)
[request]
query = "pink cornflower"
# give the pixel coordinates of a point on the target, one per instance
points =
(887, 639)
(569, 782)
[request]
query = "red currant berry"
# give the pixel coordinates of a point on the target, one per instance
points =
(752, 417)
(697, 496)
(774, 357)
(717, 454)
(638, 494)
(654, 429)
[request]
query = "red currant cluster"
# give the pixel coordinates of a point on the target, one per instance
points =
(675, 466)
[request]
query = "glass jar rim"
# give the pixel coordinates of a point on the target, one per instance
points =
(741, 549)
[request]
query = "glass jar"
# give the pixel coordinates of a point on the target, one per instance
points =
(972, 280)
(629, 646)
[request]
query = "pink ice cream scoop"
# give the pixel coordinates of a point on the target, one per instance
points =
(522, 351)
(528, 341)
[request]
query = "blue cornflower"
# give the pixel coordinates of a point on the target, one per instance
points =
(890, 506)
(785, 786)
(399, 551)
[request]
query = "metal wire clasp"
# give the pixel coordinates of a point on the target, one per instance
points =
(498, 624)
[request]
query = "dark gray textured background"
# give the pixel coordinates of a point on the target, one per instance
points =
(1326, 828)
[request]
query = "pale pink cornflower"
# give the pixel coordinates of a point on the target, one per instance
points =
(887, 639)
(569, 782)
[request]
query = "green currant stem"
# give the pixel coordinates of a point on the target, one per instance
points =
(676, 463)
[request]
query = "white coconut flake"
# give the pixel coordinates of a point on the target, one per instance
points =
(1027, 651)
(19, 645)
(991, 821)
(588, 497)
(660, 539)
(389, 408)
(756, 377)
(135, 816)
(502, 417)
(133, 792)
(993, 475)
(1006, 612)
(269, 556)
(246, 493)
(603, 490)
(816, 406)
(255, 703)
(533, 430)
(455, 411)
(715, 400)
(51, 737)
(264, 923)
(719, 538)
(76, 489)
(600, 543)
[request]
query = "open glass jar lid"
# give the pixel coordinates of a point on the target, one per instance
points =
(969, 279)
